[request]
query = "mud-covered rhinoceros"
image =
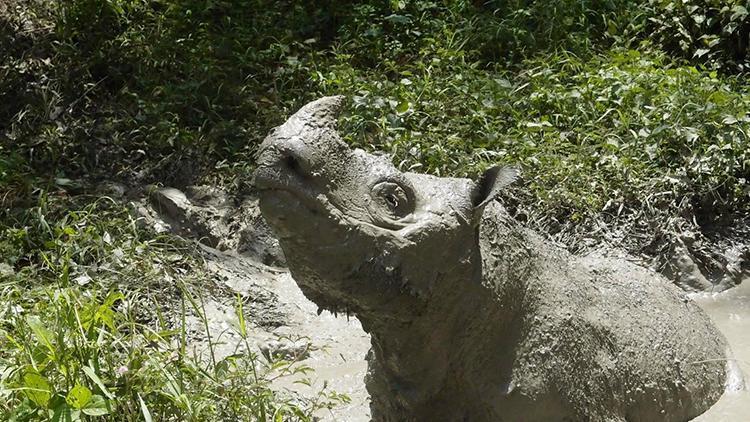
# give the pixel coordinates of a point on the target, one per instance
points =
(473, 317)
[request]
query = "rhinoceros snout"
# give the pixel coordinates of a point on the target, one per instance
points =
(296, 150)
(281, 168)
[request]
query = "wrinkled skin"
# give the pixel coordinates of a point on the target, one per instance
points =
(472, 317)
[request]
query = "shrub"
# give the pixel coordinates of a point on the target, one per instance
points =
(519, 29)
(716, 33)
(609, 130)
(80, 341)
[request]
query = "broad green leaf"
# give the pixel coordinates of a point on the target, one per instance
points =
(402, 107)
(738, 13)
(104, 313)
(40, 332)
(62, 412)
(78, 397)
(36, 387)
(98, 406)
(112, 298)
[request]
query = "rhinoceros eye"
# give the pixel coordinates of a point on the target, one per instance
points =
(394, 198)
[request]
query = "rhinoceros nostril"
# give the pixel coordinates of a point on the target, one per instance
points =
(295, 165)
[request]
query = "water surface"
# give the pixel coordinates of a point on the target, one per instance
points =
(730, 311)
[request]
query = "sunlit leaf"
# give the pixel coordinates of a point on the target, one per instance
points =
(37, 388)
(97, 406)
(41, 332)
(78, 397)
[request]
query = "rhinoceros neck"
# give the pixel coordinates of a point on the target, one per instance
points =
(415, 357)
(422, 354)
(510, 257)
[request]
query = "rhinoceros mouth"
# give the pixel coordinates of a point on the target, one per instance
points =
(286, 197)
(290, 199)
(267, 181)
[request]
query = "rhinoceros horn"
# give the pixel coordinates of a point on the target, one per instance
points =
(321, 113)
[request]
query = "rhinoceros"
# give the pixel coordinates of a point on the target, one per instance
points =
(472, 316)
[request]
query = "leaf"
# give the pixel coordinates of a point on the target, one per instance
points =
(403, 107)
(89, 371)
(105, 314)
(144, 409)
(112, 298)
(611, 28)
(729, 120)
(398, 19)
(36, 388)
(40, 331)
(78, 397)
(241, 325)
(738, 13)
(701, 52)
(62, 181)
(98, 406)
(82, 279)
(61, 412)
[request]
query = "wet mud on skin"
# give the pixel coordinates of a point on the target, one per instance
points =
(460, 299)
(730, 311)
(342, 366)
(340, 344)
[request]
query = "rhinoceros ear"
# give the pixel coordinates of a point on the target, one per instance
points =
(490, 184)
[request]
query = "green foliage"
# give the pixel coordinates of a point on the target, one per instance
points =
(609, 130)
(194, 83)
(712, 32)
(167, 91)
(518, 29)
(628, 126)
(188, 81)
(80, 341)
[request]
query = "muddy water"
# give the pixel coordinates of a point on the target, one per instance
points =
(341, 346)
(338, 345)
(341, 364)
(730, 311)
(339, 357)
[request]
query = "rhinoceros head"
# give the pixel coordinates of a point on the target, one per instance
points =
(360, 235)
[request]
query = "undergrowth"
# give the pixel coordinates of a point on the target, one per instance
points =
(605, 133)
(93, 312)
(177, 92)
